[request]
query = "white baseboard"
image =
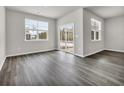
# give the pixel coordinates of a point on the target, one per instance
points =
(30, 52)
(79, 55)
(72, 53)
(93, 53)
(115, 50)
(1, 63)
(85, 54)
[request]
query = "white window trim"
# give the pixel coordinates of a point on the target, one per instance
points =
(31, 29)
(99, 31)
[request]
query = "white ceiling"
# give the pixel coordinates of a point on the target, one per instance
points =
(107, 11)
(59, 11)
(47, 11)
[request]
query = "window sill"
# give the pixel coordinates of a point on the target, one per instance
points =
(95, 40)
(37, 40)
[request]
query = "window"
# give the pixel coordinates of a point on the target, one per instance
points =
(36, 30)
(95, 30)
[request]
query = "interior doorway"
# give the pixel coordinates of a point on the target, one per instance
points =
(66, 34)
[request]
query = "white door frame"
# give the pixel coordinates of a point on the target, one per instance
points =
(73, 38)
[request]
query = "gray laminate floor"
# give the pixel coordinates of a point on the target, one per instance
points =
(57, 68)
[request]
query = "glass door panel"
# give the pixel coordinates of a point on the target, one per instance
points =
(70, 40)
(62, 39)
(67, 38)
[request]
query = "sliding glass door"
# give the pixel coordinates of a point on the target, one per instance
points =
(67, 38)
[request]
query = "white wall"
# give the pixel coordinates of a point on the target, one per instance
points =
(2, 36)
(81, 19)
(114, 34)
(91, 47)
(75, 17)
(15, 34)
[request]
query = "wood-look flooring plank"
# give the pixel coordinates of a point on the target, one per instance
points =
(57, 68)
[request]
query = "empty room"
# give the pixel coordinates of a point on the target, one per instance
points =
(62, 45)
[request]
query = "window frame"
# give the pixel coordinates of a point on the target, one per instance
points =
(47, 31)
(95, 31)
